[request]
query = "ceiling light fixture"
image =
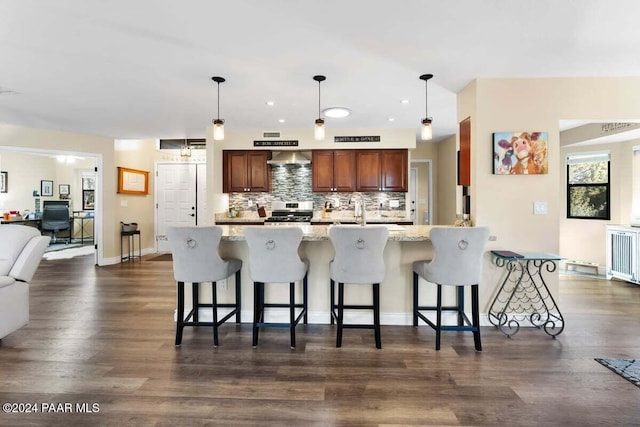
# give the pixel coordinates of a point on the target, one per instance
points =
(218, 125)
(404, 101)
(185, 149)
(336, 112)
(427, 132)
(318, 132)
(270, 103)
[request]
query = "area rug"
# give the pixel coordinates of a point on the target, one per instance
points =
(629, 369)
(53, 247)
(69, 253)
(161, 257)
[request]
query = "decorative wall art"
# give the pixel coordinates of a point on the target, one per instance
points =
(4, 181)
(520, 153)
(64, 190)
(46, 188)
(133, 181)
(88, 200)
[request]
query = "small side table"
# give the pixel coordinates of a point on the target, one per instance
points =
(524, 295)
(131, 245)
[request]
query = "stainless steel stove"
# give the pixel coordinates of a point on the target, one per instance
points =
(290, 212)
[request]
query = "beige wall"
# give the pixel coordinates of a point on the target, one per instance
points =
(505, 203)
(137, 154)
(20, 138)
(447, 181)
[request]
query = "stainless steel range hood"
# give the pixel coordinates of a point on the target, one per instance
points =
(290, 157)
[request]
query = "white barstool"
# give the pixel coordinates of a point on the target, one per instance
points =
(457, 262)
(273, 258)
(358, 260)
(195, 259)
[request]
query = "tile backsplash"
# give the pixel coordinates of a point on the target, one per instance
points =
(293, 182)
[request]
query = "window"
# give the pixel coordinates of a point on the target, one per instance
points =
(588, 195)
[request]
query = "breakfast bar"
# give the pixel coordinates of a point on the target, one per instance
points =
(405, 245)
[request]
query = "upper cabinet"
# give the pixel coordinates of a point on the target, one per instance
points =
(333, 170)
(246, 171)
(381, 170)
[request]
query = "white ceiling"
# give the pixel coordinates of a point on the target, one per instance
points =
(142, 68)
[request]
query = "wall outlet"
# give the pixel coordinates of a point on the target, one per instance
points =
(223, 284)
(394, 203)
(336, 203)
(250, 203)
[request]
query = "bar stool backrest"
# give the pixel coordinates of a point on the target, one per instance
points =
(458, 255)
(195, 254)
(273, 254)
(359, 253)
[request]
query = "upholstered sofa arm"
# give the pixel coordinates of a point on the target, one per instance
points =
(25, 266)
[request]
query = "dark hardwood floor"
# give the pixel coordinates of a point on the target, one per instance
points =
(104, 335)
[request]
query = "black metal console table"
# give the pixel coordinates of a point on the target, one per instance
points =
(524, 296)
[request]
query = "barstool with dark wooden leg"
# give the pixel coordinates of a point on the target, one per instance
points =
(457, 262)
(358, 260)
(195, 260)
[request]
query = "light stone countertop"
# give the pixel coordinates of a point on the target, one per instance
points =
(402, 233)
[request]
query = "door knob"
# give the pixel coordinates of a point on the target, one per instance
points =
(192, 215)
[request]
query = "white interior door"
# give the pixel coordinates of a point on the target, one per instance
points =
(175, 199)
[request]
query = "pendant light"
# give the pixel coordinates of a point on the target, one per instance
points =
(427, 132)
(185, 150)
(318, 132)
(218, 125)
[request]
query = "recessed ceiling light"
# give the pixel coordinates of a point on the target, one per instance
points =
(270, 103)
(280, 120)
(336, 112)
(405, 101)
(392, 119)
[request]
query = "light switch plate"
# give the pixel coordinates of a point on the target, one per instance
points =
(540, 208)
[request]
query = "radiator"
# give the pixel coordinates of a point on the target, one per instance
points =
(622, 254)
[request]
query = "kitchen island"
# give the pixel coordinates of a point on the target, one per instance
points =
(406, 244)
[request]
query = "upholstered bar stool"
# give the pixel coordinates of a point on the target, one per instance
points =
(195, 259)
(457, 262)
(273, 258)
(358, 260)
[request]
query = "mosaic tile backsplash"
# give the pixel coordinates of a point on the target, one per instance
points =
(293, 182)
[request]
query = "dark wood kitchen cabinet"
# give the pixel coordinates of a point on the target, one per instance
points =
(381, 170)
(333, 170)
(246, 171)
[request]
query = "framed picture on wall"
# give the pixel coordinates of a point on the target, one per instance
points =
(46, 188)
(4, 181)
(88, 200)
(64, 190)
(520, 153)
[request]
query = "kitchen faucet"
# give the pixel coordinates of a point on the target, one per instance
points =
(359, 208)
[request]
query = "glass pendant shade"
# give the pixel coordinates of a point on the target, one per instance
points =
(318, 132)
(426, 133)
(218, 125)
(218, 130)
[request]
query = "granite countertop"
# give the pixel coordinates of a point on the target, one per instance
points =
(402, 233)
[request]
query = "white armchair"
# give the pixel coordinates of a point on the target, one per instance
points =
(21, 249)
